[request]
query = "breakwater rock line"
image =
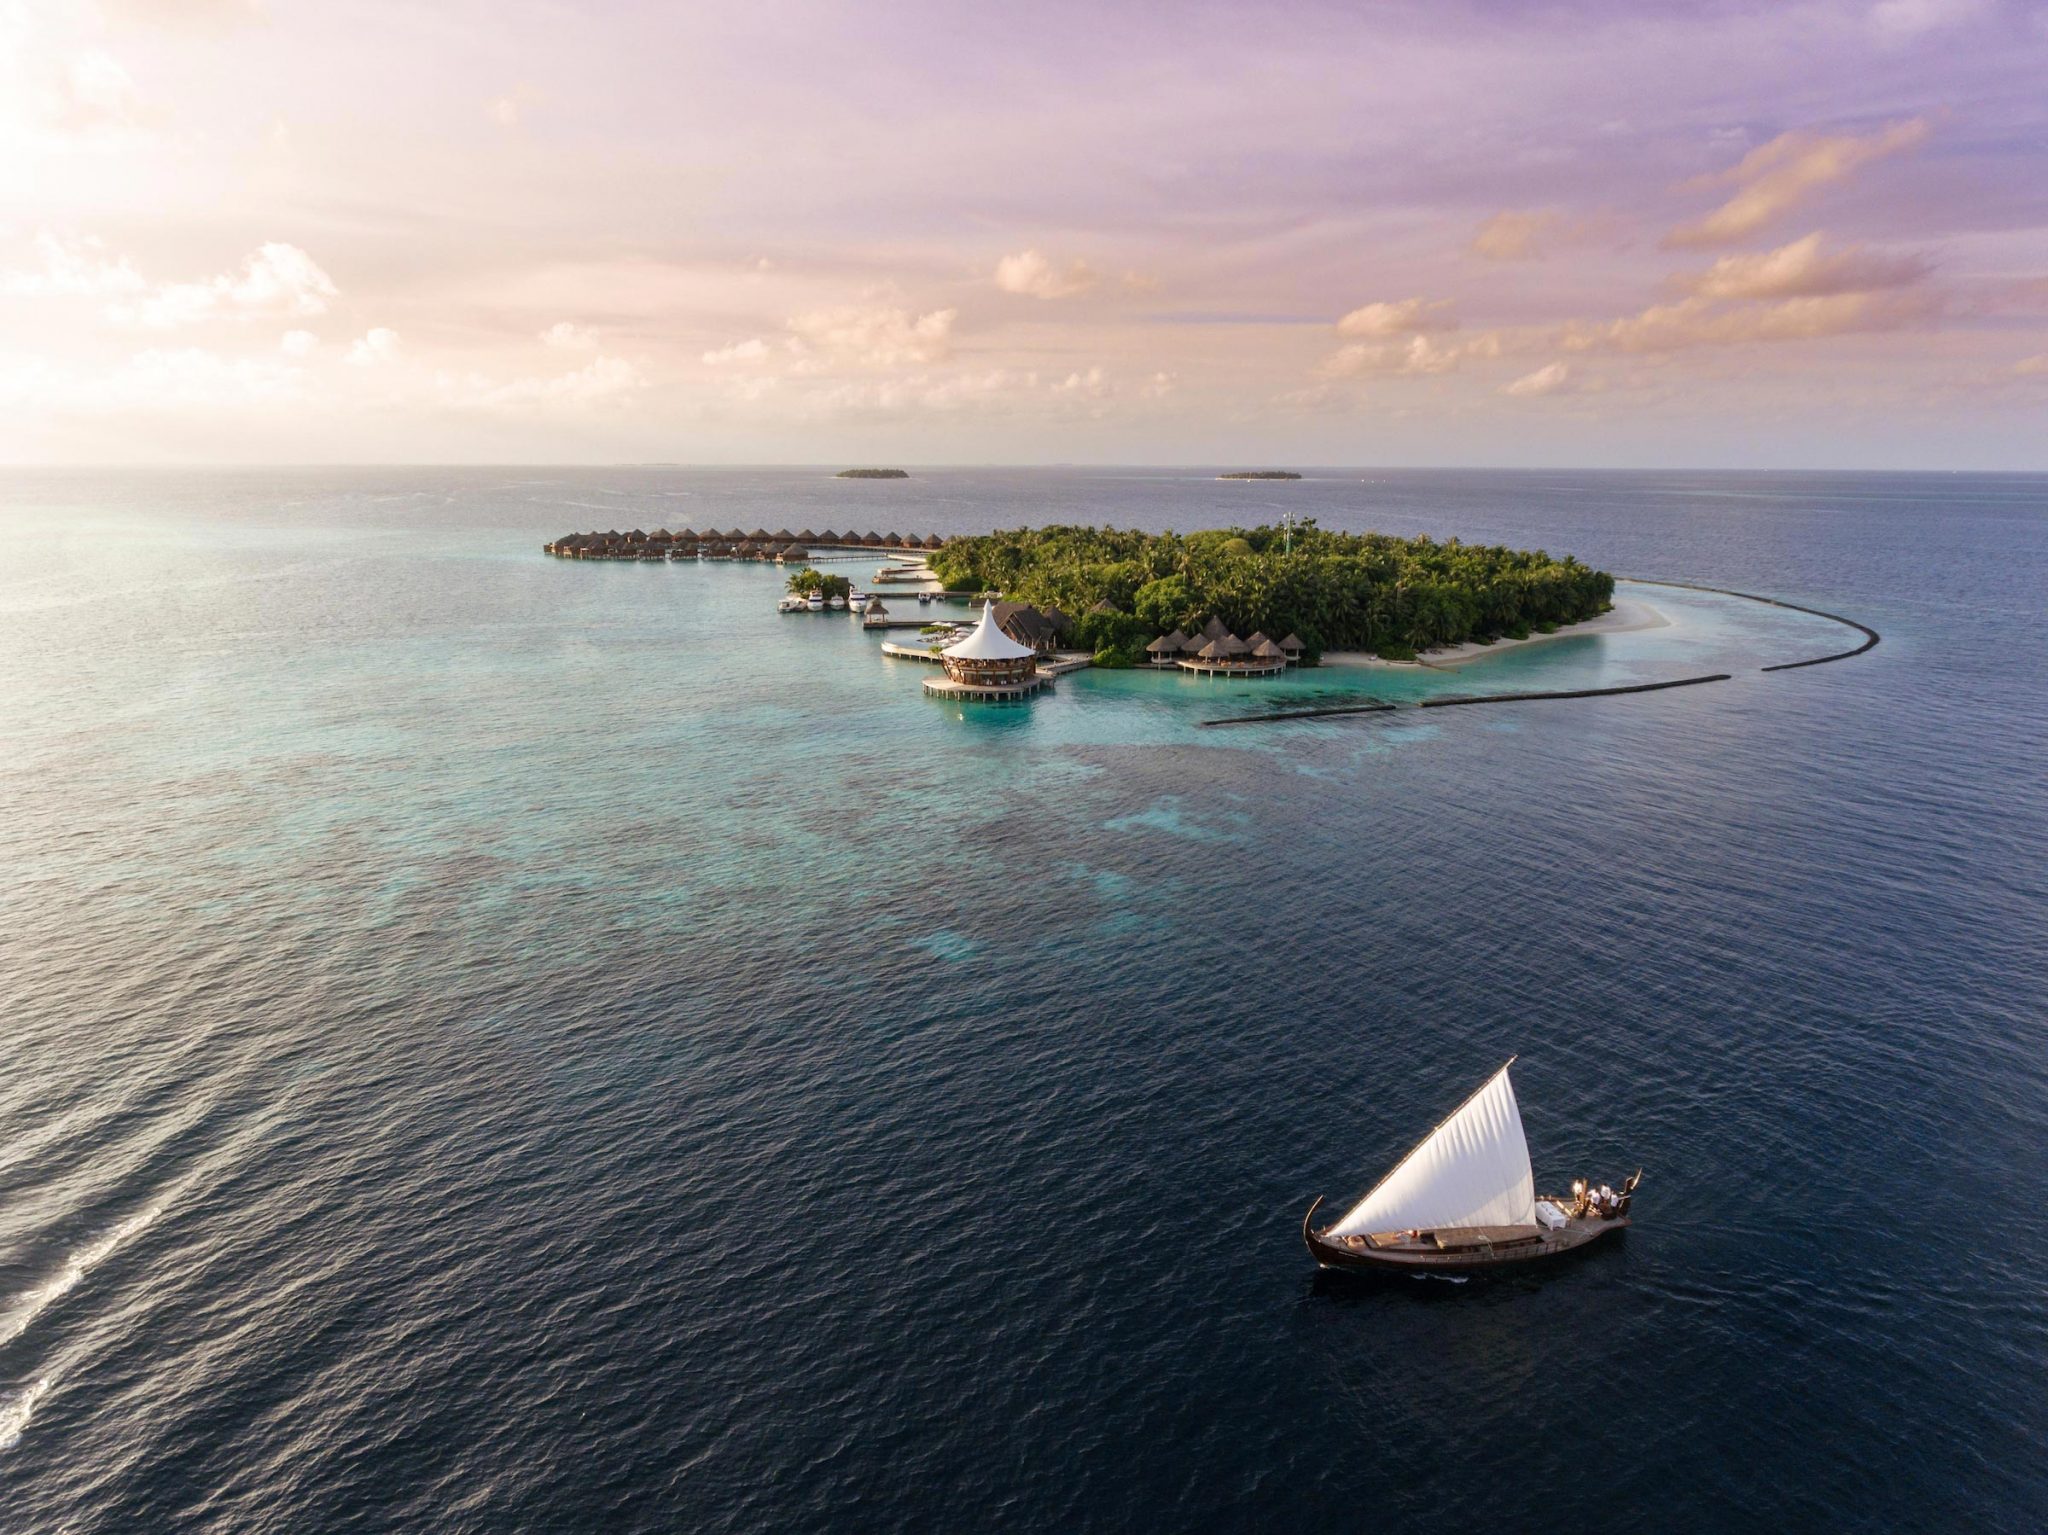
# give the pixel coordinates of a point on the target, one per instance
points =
(1465, 699)
(1870, 635)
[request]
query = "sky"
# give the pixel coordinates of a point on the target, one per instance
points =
(907, 232)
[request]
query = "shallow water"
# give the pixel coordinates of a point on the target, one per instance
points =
(500, 1043)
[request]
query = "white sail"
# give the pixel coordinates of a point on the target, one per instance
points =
(1471, 1170)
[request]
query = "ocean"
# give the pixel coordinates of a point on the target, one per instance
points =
(494, 1043)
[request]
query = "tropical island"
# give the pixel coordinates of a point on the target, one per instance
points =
(872, 474)
(1393, 597)
(1261, 474)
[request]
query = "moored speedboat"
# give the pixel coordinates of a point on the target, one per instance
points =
(838, 603)
(815, 602)
(1464, 1200)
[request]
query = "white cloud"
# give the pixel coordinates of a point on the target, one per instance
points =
(69, 267)
(877, 335)
(1802, 269)
(278, 280)
(297, 343)
(1409, 316)
(505, 112)
(1517, 235)
(172, 380)
(1158, 386)
(567, 336)
(1093, 385)
(1416, 355)
(1904, 20)
(374, 346)
(2032, 367)
(602, 380)
(1778, 176)
(752, 350)
(1550, 379)
(1034, 275)
(1695, 322)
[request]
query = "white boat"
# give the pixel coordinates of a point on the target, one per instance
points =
(923, 598)
(838, 603)
(792, 604)
(815, 602)
(1465, 1199)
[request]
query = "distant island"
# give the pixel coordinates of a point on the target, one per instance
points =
(1336, 591)
(872, 474)
(1261, 474)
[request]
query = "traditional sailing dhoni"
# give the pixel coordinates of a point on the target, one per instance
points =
(1465, 1199)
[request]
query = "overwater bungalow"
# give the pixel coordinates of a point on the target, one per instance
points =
(793, 554)
(807, 537)
(872, 539)
(1215, 629)
(987, 664)
(829, 537)
(1292, 647)
(1230, 656)
(933, 541)
(1166, 650)
(783, 536)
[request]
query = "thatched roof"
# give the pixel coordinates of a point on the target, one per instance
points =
(892, 541)
(760, 535)
(875, 607)
(1266, 650)
(1104, 606)
(783, 536)
(1292, 642)
(794, 551)
(1213, 651)
(872, 540)
(807, 537)
(1058, 620)
(1214, 629)
(1233, 646)
(1255, 639)
(932, 541)
(828, 537)
(1167, 644)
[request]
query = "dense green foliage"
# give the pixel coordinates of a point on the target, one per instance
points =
(809, 580)
(1338, 591)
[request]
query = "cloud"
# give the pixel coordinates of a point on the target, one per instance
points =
(1696, 322)
(1410, 316)
(277, 281)
(1903, 20)
(877, 335)
(159, 380)
(374, 346)
(91, 92)
(1418, 354)
(1801, 270)
(1033, 274)
(1778, 176)
(567, 336)
(1515, 235)
(1550, 379)
(1092, 385)
(753, 350)
(504, 112)
(2032, 367)
(1158, 386)
(603, 380)
(297, 343)
(71, 267)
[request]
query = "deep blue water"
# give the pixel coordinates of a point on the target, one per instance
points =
(490, 1043)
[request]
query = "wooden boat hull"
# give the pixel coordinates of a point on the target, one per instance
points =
(1459, 1252)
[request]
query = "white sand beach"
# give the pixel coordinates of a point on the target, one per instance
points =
(1628, 615)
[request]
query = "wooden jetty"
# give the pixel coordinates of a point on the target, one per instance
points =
(780, 546)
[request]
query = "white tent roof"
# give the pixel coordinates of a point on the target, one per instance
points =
(1471, 1170)
(988, 643)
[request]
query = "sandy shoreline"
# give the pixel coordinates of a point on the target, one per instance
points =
(1628, 616)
